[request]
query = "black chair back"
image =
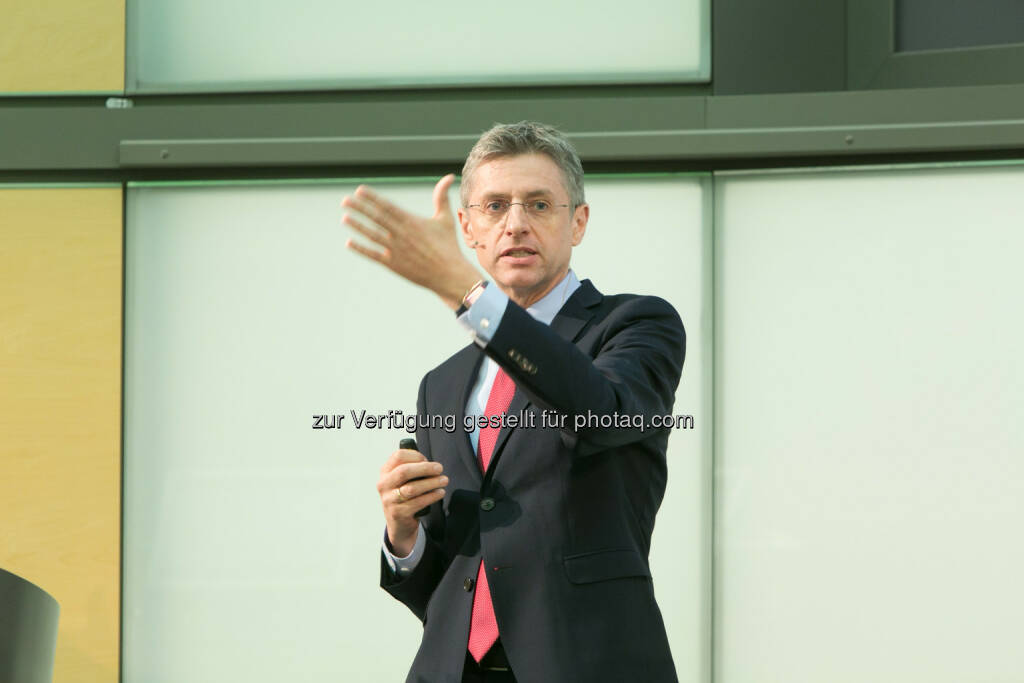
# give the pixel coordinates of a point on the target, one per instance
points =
(28, 631)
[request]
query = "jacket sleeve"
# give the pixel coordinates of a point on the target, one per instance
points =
(634, 371)
(414, 589)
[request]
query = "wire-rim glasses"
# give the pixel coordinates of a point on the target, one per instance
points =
(496, 209)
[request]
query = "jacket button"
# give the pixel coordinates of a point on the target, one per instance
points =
(487, 504)
(468, 585)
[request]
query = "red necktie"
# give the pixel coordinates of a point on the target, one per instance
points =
(483, 627)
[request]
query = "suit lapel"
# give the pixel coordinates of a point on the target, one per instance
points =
(466, 370)
(519, 403)
(576, 312)
(568, 323)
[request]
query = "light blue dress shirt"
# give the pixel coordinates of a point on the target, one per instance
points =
(482, 320)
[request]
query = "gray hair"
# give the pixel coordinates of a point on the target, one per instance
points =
(526, 137)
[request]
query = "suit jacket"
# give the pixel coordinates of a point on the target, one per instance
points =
(563, 517)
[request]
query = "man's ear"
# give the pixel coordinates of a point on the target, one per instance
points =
(467, 229)
(579, 223)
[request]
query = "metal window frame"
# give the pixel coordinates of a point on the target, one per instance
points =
(872, 60)
(628, 129)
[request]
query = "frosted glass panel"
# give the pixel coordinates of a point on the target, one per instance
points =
(869, 394)
(251, 541)
(191, 45)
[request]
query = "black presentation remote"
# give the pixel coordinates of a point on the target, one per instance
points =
(410, 444)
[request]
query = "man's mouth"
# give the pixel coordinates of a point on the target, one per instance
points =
(518, 252)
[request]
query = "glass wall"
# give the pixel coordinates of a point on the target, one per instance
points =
(267, 45)
(250, 538)
(869, 387)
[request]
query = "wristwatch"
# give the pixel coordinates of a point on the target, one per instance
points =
(471, 296)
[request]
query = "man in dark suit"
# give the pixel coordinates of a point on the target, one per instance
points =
(531, 563)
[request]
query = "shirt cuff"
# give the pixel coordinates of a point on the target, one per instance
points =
(404, 565)
(484, 316)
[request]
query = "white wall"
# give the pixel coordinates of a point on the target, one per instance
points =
(867, 387)
(869, 391)
(251, 541)
(249, 45)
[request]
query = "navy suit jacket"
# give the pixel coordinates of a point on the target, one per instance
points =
(563, 517)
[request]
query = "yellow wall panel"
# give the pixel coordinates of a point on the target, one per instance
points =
(60, 413)
(62, 45)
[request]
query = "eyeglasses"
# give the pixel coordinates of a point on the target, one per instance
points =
(496, 209)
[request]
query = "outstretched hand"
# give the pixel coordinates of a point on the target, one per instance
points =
(421, 250)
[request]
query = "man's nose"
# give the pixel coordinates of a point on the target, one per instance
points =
(517, 220)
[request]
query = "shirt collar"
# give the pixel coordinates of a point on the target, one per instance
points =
(548, 307)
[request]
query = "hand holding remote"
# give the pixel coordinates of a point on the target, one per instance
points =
(408, 485)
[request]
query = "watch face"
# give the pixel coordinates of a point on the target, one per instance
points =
(474, 293)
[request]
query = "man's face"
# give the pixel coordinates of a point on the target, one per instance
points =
(525, 255)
